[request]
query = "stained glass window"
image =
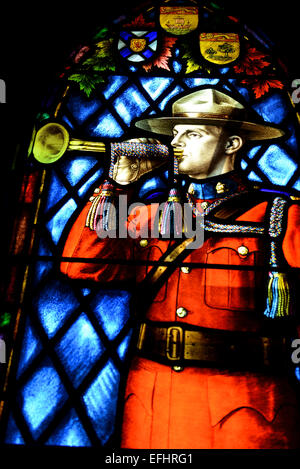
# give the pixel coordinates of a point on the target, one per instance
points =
(67, 353)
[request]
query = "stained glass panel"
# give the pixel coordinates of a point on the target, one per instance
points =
(75, 338)
(42, 395)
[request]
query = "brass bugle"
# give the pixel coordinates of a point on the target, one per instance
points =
(53, 140)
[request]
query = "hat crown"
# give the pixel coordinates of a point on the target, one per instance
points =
(209, 106)
(207, 101)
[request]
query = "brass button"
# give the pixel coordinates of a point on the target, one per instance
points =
(97, 190)
(91, 198)
(204, 205)
(181, 312)
(144, 243)
(134, 166)
(177, 368)
(243, 251)
(185, 270)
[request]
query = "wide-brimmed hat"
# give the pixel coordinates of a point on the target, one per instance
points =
(210, 107)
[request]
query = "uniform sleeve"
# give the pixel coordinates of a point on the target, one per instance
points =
(92, 252)
(291, 242)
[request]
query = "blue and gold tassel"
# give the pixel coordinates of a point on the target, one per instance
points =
(279, 297)
(279, 300)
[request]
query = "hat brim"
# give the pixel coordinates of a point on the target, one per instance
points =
(252, 130)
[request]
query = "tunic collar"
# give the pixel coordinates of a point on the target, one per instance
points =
(215, 187)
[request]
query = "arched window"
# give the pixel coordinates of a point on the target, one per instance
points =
(68, 340)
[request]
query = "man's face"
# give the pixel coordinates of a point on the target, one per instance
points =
(202, 149)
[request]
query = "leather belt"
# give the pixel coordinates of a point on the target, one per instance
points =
(173, 344)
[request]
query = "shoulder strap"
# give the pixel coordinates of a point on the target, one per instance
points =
(222, 219)
(178, 251)
(230, 209)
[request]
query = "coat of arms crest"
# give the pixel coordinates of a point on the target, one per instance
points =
(137, 46)
(220, 48)
(178, 20)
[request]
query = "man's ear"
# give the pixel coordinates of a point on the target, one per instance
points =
(233, 144)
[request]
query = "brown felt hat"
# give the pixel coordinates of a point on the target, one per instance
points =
(210, 107)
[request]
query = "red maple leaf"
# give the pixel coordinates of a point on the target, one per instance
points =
(166, 52)
(262, 86)
(253, 62)
(81, 53)
(139, 21)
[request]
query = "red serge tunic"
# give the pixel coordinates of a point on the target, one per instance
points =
(198, 407)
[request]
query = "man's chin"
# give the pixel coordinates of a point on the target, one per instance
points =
(188, 173)
(182, 167)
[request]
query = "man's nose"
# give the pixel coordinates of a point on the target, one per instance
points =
(177, 141)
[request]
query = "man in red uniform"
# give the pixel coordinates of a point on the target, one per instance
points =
(212, 354)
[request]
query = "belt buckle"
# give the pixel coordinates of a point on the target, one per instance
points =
(174, 342)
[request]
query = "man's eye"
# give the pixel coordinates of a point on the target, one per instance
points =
(194, 135)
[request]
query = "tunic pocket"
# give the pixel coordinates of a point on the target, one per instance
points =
(234, 289)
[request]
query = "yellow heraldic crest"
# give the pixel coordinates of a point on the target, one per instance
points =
(138, 45)
(178, 20)
(220, 48)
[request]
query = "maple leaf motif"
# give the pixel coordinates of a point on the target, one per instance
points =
(104, 48)
(191, 66)
(253, 62)
(80, 54)
(261, 87)
(139, 21)
(191, 63)
(166, 52)
(148, 67)
(88, 74)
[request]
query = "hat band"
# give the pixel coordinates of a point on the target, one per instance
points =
(202, 115)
